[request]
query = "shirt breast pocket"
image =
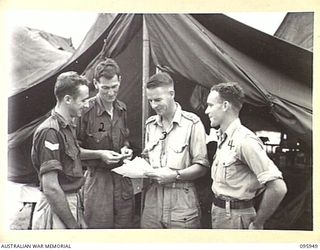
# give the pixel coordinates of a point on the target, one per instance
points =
(124, 132)
(97, 136)
(177, 155)
(153, 151)
(72, 164)
(223, 167)
(178, 148)
(229, 167)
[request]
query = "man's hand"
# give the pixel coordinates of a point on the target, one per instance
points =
(162, 175)
(109, 156)
(126, 153)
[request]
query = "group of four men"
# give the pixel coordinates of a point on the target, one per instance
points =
(93, 132)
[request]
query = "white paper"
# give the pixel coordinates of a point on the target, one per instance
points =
(134, 169)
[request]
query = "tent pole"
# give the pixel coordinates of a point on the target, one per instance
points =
(145, 76)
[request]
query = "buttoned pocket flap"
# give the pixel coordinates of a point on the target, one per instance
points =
(151, 145)
(72, 152)
(229, 161)
(125, 132)
(184, 215)
(178, 148)
(98, 136)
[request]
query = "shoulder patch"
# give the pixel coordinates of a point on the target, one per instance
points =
(122, 105)
(241, 134)
(190, 116)
(151, 119)
(91, 103)
(49, 123)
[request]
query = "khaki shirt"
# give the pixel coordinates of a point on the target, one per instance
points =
(55, 148)
(97, 130)
(180, 147)
(241, 166)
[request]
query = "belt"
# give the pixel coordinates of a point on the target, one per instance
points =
(176, 184)
(234, 204)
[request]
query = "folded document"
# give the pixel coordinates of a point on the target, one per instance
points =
(134, 169)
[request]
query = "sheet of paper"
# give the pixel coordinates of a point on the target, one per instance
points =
(134, 169)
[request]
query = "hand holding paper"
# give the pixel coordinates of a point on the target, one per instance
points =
(109, 156)
(127, 153)
(162, 175)
(134, 169)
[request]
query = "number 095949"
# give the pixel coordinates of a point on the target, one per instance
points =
(308, 246)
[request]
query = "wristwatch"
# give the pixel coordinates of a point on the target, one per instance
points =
(178, 176)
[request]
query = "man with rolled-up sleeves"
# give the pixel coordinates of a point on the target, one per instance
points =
(241, 169)
(176, 149)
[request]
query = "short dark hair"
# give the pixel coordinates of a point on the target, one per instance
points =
(108, 69)
(68, 84)
(231, 92)
(159, 80)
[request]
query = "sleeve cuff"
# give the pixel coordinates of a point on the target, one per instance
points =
(267, 176)
(202, 162)
(52, 165)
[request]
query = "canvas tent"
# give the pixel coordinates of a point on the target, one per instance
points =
(297, 28)
(34, 54)
(198, 51)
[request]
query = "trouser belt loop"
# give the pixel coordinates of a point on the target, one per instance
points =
(233, 204)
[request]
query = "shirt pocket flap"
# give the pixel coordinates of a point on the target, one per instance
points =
(98, 136)
(125, 132)
(72, 152)
(231, 160)
(178, 148)
(151, 145)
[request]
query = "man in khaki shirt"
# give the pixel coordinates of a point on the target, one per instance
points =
(108, 196)
(241, 168)
(176, 149)
(57, 156)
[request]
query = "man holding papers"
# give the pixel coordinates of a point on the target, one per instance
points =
(176, 149)
(108, 197)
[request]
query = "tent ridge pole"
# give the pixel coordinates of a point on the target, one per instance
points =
(145, 75)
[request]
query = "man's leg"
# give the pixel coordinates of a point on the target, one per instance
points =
(98, 199)
(123, 202)
(152, 207)
(235, 219)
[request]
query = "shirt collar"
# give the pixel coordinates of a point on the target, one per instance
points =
(230, 129)
(176, 117)
(116, 105)
(62, 121)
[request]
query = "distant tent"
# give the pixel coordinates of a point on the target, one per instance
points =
(60, 43)
(297, 28)
(35, 53)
